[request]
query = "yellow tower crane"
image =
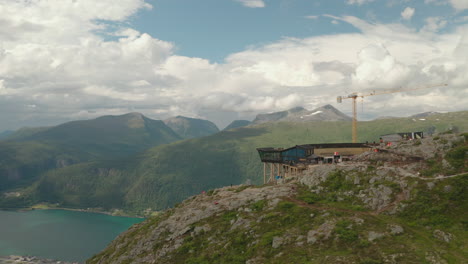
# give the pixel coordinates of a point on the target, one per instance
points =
(355, 95)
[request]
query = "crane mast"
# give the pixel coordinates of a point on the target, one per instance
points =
(355, 95)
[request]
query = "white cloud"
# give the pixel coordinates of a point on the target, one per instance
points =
(378, 68)
(114, 94)
(459, 5)
(436, 2)
(358, 2)
(434, 24)
(312, 17)
(408, 13)
(57, 62)
(462, 19)
(61, 21)
(252, 3)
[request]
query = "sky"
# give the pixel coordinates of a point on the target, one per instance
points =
(63, 60)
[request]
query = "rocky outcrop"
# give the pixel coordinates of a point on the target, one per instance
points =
(180, 222)
(340, 213)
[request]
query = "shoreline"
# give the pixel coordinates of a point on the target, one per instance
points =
(33, 260)
(32, 208)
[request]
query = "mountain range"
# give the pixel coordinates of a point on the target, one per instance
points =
(77, 173)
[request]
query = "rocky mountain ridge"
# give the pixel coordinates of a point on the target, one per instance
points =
(403, 204)
(300, 114)
(187, 127)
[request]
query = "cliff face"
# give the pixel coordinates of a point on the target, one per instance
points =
(405, 204)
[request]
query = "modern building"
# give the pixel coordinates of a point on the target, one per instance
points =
(285, 162)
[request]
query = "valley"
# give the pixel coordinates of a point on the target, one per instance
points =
(161, 176)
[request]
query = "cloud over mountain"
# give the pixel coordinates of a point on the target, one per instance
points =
(62, 60)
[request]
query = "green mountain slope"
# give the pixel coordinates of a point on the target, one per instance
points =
(25, 132)
(167, 174)
(30, 152)
(237, 124)
(20, 163)
(187, 127)
(112, 136)
(377, 209)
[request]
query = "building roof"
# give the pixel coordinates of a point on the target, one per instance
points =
(316, 146)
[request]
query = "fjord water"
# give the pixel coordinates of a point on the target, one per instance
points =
(59, 234)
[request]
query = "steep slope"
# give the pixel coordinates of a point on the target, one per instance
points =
(187, 127)
(237, 124)
(165, 175)
(21, 163)
(370, 210)
(30, 152)
(299, 114)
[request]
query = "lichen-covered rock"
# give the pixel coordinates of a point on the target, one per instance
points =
(323, 232)
(374, 235)
(240, 223)
(277, 242)
(377, 197)
(396, 230)
(434, 258)
(442, 236)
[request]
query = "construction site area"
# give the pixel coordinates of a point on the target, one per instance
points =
(280, 163)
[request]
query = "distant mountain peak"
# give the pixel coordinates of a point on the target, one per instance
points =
(135, 120)
(300, 114)
(296, 109)
(328, 106)
(188, 127)
(135, 114)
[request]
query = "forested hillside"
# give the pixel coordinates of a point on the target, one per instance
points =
(165, 175)
(28, 153)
